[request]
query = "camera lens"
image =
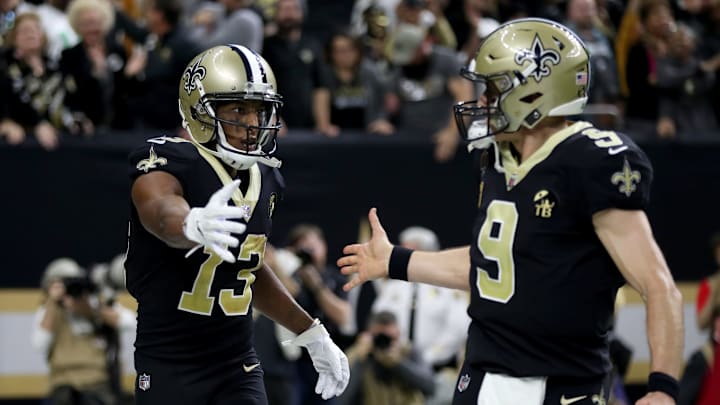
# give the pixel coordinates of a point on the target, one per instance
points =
(382, 341)
(77, 286)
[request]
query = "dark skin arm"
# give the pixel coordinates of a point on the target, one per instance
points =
(273, 300)
(158, 197)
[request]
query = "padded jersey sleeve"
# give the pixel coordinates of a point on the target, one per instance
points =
(170, 155)
(616, 176)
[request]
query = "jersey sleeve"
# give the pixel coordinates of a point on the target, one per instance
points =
(616, 177)
(163, 154)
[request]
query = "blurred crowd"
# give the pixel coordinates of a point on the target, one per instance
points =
(384, 67)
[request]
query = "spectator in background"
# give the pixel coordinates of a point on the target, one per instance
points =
(9, 10)
(320, 293)
(351, 94)
(428, 14)
(427, 83)
(433, 319)
(700, 383)
(94, 67)
(72, 329)
(358, 18)
(642, 103)
(686, 84)
(228, 22)
(31, 87)
(691, 14)
(373, 23)
(267, 12)
(373, 34)
(386, 369)
(610, 14)
(582, 18)
(711, 49)
(60, 34)
(464, 17)
(153, 68)
(628, 34)
(475, 27)
(296, 59)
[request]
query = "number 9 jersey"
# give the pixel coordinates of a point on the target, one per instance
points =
(197, 307)
(542, 285)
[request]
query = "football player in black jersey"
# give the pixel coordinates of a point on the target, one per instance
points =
(217, 191)
(560, 227)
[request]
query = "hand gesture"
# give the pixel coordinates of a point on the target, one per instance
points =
(46, 135)
(329, 130)
(137, 62)
(210, 226)
(12, 131)
(368, 260)
(329, 361)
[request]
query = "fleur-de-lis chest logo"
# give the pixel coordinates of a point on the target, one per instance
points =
(627, 179)
(192, 75)
(541, 57)
(151, 162)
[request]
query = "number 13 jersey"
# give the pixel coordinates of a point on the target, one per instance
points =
(198, 307)
(542, 285)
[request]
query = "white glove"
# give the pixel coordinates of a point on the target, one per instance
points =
(210, 226)
(329, 361)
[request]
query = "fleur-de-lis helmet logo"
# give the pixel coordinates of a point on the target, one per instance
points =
(193, 74)
(543, 58)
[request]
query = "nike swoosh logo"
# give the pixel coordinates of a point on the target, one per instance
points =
(250, 367)
(568, 401)
(615, 151)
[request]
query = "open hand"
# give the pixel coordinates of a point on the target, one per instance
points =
(367, 260)
(212, 226)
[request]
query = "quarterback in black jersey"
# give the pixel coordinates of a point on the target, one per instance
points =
(560, 227)
(201, 215)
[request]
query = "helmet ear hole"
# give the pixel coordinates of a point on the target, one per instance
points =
(530, 98)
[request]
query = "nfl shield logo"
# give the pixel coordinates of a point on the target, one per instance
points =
(463, 383)
(144, 382)
(245, 211)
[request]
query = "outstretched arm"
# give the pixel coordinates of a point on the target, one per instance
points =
(161, 207)
(628, 238)
(371, 260)
(164, 212)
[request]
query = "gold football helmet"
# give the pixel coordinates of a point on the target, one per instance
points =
(230, 73)
(524, 71)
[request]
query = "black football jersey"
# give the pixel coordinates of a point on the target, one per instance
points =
(197, 307)
(542, 285)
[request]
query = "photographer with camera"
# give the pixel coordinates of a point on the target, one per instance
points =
(73, 328)
(320, 293)
(387, 370)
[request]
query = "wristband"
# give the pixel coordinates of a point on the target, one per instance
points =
(398, 266)
(662, 382)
